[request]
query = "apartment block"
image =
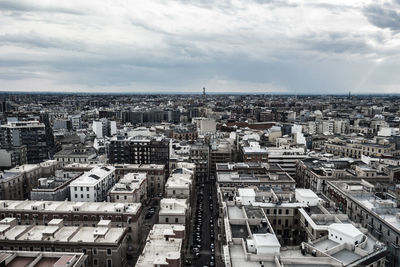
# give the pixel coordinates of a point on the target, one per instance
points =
(93, 185)
(132, 188)
(164, 246)
(103, 245)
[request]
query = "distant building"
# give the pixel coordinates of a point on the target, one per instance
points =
(31, 134)
(60, 124)
(200, 156)
(205, 125)
(144, 150)
(76, 121)
(13, 156)
(104, 127)
(78, 154)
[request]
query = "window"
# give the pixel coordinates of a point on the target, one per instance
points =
(87, 188)
(176, 220)
(109, 251)
(287, 211)
(95, 262)
(109, 263)
(87, 196)
(166, 220)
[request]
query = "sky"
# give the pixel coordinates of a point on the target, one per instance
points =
(238, 46)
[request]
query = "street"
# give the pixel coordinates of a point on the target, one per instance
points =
(204, 249)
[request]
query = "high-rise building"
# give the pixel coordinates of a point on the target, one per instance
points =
(138, 151)
(104, 127)
(32, 134)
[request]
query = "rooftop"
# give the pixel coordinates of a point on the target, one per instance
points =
(59, 233)
(93, 176)
(68, 206)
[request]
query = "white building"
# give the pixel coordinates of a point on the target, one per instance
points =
(104, 128)
(264, 244)
(247, 196)
(205, 125)
(132, 188)
(76, 121)
(306, 196)
(163, 246)
(93, 185)
(345, 233)
(179, 185)
(173, 210)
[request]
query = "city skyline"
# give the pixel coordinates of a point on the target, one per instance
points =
(280, 47)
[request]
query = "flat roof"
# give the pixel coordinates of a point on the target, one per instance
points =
(67, 206)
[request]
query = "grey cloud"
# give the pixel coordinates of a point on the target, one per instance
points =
(384, 16)
(335, 42)
(20, 6)
(39, 41)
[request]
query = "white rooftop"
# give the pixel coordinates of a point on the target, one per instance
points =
(246, 192)
(93, 176)
(306, 193)
(345, 228)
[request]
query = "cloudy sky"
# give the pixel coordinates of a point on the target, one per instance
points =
(255, 46)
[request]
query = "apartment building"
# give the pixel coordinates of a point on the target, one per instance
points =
(138, 150)
(173, 210)
(12, 156)
(156, 174)
(76, 214)
(314, 173)
(179, 185)
(372, 210)
(31, 134)
(285, 157)
(103, 245)
(132, 188)
(75, 154)
(55, 187)
(246, 179)
(164, 246)
(93, 185)
(251, 233)
(200, 156)
(104, 127)
(353, 149)
(10, 258)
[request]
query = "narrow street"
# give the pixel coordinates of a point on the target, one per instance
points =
(204, 250)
